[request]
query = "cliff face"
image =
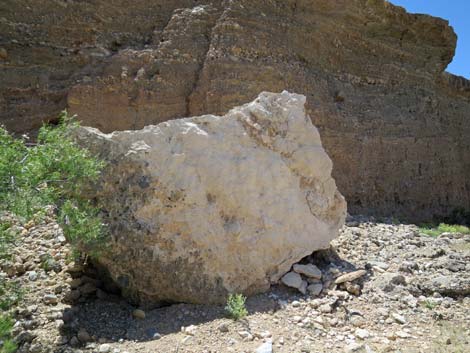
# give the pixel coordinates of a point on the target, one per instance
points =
(396, 126)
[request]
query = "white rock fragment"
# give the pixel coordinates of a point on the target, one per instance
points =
(266, 347)
(399, 318)
(104, 348)
(361, 333)
(189, 330)
(309, 270)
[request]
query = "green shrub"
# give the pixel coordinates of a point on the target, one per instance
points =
(443, 228)
(235, 307)
(53, 171)
(83, 226)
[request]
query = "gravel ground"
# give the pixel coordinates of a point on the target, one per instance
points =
(403, 292)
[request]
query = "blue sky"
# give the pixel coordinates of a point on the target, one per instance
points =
(457, 12)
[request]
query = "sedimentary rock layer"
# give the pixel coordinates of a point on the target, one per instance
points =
(394, 124)
(202, 207)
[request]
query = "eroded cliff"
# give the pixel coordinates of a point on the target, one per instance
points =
(396, 126)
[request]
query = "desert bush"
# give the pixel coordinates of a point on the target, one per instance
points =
(235, 307)
(33, 176)
(443, 228)
(53, 171)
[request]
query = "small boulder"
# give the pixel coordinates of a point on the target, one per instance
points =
(308, 270)
(138, 314)
(292, 279)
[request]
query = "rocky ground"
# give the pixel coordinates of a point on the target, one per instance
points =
(403, 292)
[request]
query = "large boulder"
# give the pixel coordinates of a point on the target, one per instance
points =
(205, 206)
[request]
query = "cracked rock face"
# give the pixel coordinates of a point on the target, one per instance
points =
(205, 206)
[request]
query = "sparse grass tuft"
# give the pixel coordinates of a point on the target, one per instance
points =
(7, 237)
(443, 228)
(10, 294)
(236, 306)
(429, 304)
(6, 324)
(47, 263)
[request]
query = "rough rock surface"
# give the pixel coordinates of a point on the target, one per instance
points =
(205, 206)
(393, 123)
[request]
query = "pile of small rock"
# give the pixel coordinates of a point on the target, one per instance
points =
(308, 278)
(385, 288)
(49, 283)
(312, 282)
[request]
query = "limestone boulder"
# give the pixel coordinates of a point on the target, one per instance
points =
(205, 206)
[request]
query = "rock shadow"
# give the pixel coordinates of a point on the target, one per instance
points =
(105, 316)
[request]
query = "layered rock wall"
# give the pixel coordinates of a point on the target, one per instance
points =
(396, 126)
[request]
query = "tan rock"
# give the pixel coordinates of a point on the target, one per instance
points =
(138, 314)
(351, 276)
(215, 205)
(3, 54)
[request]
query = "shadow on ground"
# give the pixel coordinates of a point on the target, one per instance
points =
(109, 317)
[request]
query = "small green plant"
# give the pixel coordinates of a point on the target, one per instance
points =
(429, 304)
(443, 228)
(53, 171)
(236, 306)
(47, 263)
(6, 324)
(7, 237)
(10, 294)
